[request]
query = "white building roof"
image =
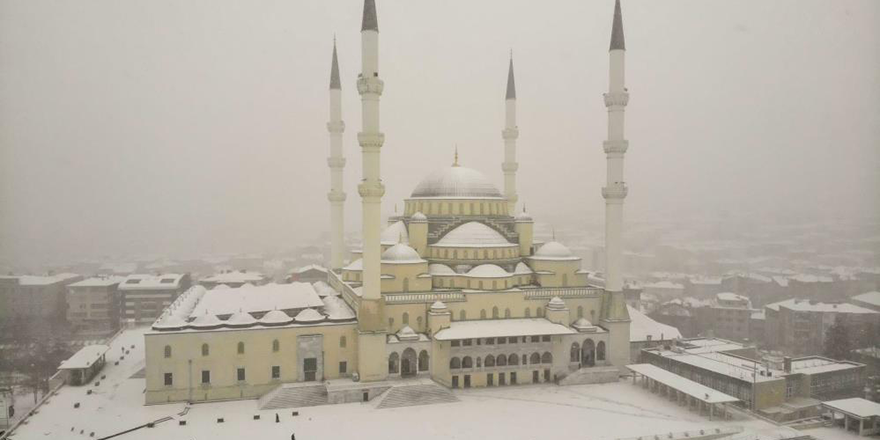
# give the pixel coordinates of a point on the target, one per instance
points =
(501, 328)
(401, 254)
(554, 250)
(151, 282)
(440, 269)
(309, 267)
(456, 182)
(801, 305)
(729, 296)
(488, 271)
(522, 269)
(818, 364)
(641, 327)
(235, 277)
(664, 285)
(257, 299)
(394, 233)
(41, 280)
(473, 234)
(855, 406)
(98, 282)
(872, 298)
(806, 278)
(687, 386)
(85, 357)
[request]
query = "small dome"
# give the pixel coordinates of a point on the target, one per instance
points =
(407, 334)
(401, 253)
(241, 319)
(395, 233)
(197, 290)
(523, 217)
(276, 317)
(523, 269)
(556, 303)
(582, 325)
(169, 322)
(356, 265)
(473, 234)
(220, 287)
(456, 182)
(309, 315)
(553, 250)
(418, 217)
(488, 271)
(440, 269)
(206, 321)
(438, 306)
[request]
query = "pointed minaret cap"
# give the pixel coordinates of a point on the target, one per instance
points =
(617, 41)
(511, 87)
(334, 70)
(370, 23)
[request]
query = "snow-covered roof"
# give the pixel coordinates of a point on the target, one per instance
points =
(235, 277)
(355, 265)
(418, 217)
(407, 334)
(241, 319)
(309, 267)
(206, 321)
(401, 254)
(643, 328)
(522, 269)
(687, 386)
(523, 217)
(802, 305)
(819, 364)
(723, 363)
(729, 296)
(85, 357)
(872, 298)
(337, 310)
(713, 281)
(323, 289)
(276, 317)
(165, 281)
(98, 282)
(856, 406)
(456, 182)
(664, 285)
(473, 234)
(440, 269)
(553, 250)
(439, 306)
(258, 299)
(806, 278)
(500, 328)
(488, 271)
(40, 280)
(309, 315)
(394, 233)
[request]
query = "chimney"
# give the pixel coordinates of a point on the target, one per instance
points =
(786, 364)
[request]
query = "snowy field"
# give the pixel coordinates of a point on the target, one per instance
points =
(526, 412)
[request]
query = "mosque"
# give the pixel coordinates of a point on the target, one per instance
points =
(455, 289)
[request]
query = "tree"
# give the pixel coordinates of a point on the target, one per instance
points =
(838, 341)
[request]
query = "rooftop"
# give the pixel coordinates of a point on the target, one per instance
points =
(803, 305)
(872, 298)
(257, 299)
(236, 276)
(855, 406)
(643, 328)
(151, 282)
(98, 282)
(500, 328)
(84, 358)
(456, 182)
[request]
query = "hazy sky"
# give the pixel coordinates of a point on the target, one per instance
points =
(199, 126)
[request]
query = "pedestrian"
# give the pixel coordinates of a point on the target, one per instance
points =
(293, 436)
(277, 419)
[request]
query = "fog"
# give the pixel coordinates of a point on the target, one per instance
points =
(198, 127)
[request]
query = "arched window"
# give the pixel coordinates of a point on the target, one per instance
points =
(495, 312)
(205, 350)
(575, 352)
(507, 313)
(393, 363)
(490, 361)
(600, 351)
(405, 318)
(423, 361)
(547, 358)
(501, 360)
(168, 351)
(540, 312)
(462, 315)
(467, 362)
(419, 323)
(580, 312)
(535, 358)
(480, 284)
(483, 314)
(276, 346)
(342, 342)
(588, 353)
(513, 359)
(406, 284)
(455, 363)
(528, 312)
(240, 348)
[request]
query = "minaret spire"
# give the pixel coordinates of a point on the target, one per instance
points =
(369, 21)
(617, 40)
(510, 134)
(336, 162)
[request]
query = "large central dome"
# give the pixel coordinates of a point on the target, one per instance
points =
(456, 182)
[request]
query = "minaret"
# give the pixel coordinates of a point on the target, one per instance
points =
(371, 323)
(336, 162)
(614, 314)
(510, 133)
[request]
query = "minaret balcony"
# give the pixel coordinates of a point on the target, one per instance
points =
(510, 134)
(371, 189)
(616, 146)
(616, 99)
(371, 140)
(336, 162)
(509, 167)
(370, 85)
(617, 190)
(336, 196)
(336, 127)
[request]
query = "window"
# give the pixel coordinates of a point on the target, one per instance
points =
(483, 314)
(535, 358)
(169, 379)
(467, 362)
(495, 312)
(501, 360)
(390, 322)
(580, 312)
(480, 284)
(205, 350)
(511, 340)
(423, 361)
(405, 318)
(513, 359)
(462, 315)
(343, 367)
(540, 312)
(456, 343)
(206, 377)
(490, 341)
(241, 348)
(393, 363)
(565, 280)
(547, 358)
(467, 342)
(600, 351)
(239, 374)
(528, 312)
(455, 363)
(490, 361)
(419, 322)
(276, 346)
(406, 284)
(342, 342)
(276, 372)
(507, 313)
(167, 351)
(502, 340)
(536, 339)
(545, 338)
(479, 362)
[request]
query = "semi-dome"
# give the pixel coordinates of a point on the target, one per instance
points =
(401, 253)
(394, 233)
(440, 269)
(208, 320)
(523, 269)
(309, 315)
(473, 234)
(488, 271)
(456, 182)
(276, 317)
(438, 306)
(418, 217)
(241, 319)
(554, 250)
(355, 265)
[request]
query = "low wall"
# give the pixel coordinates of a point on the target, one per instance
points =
(591, 375)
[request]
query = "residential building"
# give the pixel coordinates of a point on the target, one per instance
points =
(36, 298)
(798, 326)
(94, 305)
(144, 296)
(234, 278)
(869, 300)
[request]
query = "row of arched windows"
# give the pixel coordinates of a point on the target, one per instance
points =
(475, 254)
(478, 208)
(240, 347)
(539, 312)
(588, 353)
(501, 360)
(470, 284)
(409, 363)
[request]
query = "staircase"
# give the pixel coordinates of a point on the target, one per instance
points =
(416, 394)
(294, 396)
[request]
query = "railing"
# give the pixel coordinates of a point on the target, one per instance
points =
(562, 292)
(348, 294)
(696, 434)
(422, 297)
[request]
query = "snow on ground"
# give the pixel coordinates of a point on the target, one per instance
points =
(525, 412)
